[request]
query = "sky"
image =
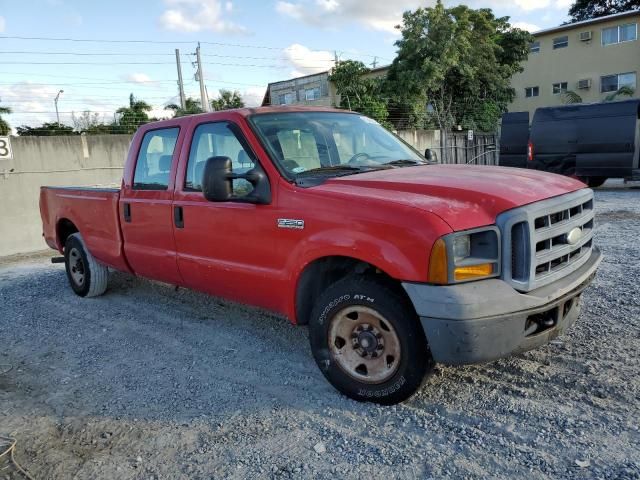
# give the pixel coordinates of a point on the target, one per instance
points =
(115, 48)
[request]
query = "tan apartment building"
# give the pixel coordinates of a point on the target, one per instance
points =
(592, 58)
(315, 89)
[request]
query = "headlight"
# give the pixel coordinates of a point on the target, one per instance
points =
(465, 256)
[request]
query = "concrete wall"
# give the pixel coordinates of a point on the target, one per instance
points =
(76, 161)
(72, 160)
(421, 139)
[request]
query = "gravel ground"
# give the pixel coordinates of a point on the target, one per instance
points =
(149, 382)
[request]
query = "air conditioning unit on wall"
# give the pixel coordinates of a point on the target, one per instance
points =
(584, 84)
(586, 36)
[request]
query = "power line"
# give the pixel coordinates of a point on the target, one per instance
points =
(106, 64)
(32, 52)
(161, 42)
(121, 81)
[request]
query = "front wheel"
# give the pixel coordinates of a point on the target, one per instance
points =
(368, 341)
(87, 277)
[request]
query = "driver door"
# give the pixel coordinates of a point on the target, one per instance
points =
(225, 248)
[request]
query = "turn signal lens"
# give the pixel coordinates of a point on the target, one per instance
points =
(472, 272)
(438, 270)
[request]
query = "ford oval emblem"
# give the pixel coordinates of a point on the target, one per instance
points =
(574, 236)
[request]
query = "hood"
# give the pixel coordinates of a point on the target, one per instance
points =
(464, 196)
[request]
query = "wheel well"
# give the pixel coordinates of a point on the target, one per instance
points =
(64, 229)
(323, 272)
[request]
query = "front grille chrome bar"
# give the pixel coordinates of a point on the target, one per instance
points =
(537, 248)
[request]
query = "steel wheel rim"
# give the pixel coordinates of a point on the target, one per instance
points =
(76, 267)
(364, 344)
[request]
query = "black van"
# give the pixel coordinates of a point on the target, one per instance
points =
(514, 139)
(591, 142)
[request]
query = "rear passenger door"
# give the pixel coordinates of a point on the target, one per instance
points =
(145, 207)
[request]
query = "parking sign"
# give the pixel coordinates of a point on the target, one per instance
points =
(5, 148)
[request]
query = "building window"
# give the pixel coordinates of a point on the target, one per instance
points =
(534, 47)
(532, 92)
(560, 42)
(613, 83)
(620, 34)
(287, 98)
(311, 94)
(560, 87)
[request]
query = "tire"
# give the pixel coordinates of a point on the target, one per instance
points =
(87, 277)
(595, 182)
(373, 363)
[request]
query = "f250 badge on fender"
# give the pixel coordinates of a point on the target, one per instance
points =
(290, 223)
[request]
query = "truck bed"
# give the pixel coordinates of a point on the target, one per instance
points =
(90, 210)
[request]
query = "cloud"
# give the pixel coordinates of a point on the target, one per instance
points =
(381, 15)
(253, 96)
(199, 15)
(529, 27)
(306, 61)
(3, 24)
(137, 78)
(384, 15)
(73, 19)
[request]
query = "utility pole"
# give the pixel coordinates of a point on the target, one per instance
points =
(335, 57)
(203, 93)
(56, 102)
(375, 62)
(183, 101)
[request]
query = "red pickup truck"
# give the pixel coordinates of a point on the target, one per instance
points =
(325, 217)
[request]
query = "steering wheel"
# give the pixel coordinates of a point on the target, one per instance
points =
(358, 156)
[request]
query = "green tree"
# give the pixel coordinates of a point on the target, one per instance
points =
(358, 92)
(46, 130)
(133, 116)
(454, 67)
(227, 100)
(5, 128)
(192, 106)
(571, 97)
(588, 9)
(624, 91)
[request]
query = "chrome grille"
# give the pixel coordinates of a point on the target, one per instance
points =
(537, 250)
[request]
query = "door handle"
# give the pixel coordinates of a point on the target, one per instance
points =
(178, 217)
(127, 212)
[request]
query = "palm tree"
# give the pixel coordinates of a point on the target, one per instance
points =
(5, 129)
(134, 115)
(192, 106)
(570, 96)
(227, 100)
(624, 91)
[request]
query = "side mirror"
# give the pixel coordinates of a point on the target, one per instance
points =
(218, 177)
(428, 154)
(216, 182)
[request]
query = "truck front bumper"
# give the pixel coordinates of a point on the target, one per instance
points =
(485, 320)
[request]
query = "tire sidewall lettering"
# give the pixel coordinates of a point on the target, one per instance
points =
(343, 298)
(366, 393)
(331, 306)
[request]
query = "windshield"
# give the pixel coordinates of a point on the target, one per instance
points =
(328, 143)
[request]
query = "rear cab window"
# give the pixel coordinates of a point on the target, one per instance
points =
(153, 165)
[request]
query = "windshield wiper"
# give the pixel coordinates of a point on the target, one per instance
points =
(403, 162)
(334, 168)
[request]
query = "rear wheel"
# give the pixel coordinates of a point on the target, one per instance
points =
(368, 341)
(87, 277)
(595, 182)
